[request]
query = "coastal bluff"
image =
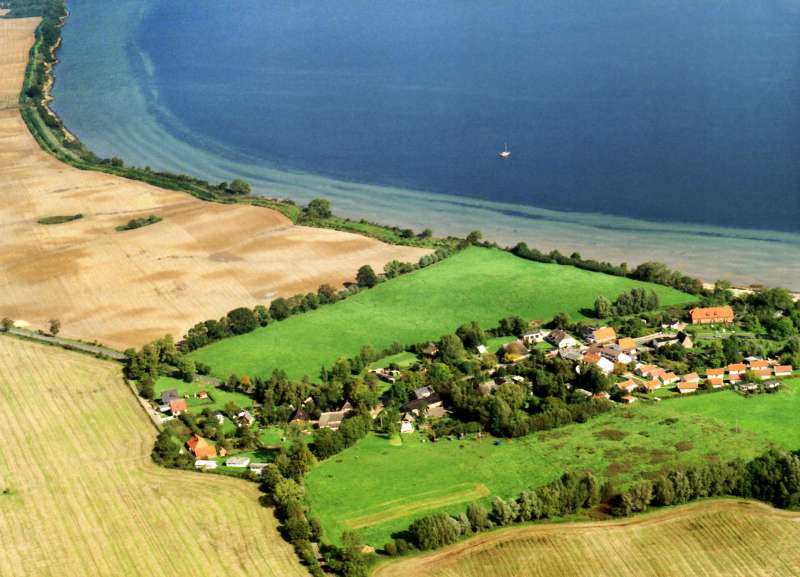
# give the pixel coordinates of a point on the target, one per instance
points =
(127, 288)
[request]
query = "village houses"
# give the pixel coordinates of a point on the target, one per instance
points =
(561, 339)
(599, 336)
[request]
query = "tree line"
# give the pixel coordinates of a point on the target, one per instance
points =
(654, 272)
(244, 320)
(773, 477)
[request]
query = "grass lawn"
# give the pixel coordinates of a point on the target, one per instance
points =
(272, 436)
(217, 397)
(378, 488)
(774, 416)
(494, 344)
(476, 284)
(402, 360)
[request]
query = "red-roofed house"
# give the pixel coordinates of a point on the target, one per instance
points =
(668, 378)
(626, 344)
(651, 386)
(685, 388)
(711, 315)
(201, 448)
(759, 364)
(783, 370)
(691, 378)
(600, 336)
(737, 369)
(628, 386)
(628, 399)
(716, 382)
(763, 373)
(178, 406)
(715, 373)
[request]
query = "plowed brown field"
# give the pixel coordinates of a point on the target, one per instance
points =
(127, 288)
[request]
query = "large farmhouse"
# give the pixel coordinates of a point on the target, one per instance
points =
(711, 315)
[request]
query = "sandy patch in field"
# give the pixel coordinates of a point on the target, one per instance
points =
(127, 288)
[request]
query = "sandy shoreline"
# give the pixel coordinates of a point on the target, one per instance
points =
(125, 289)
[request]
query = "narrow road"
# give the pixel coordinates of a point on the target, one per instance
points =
(68, 344)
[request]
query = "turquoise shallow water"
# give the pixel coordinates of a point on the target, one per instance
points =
(118, 91)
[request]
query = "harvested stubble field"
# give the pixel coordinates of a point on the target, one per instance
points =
(79, 495)
(724, 538)
(125, 289)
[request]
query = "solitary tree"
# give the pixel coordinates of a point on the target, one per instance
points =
(319, 208)
(279, 309)
(366, 277)
(186, 369)
(242, 320)
(239, 186)
(474, 237)
(326, 294)
(55, 326)
(7, 324)
(602, 307)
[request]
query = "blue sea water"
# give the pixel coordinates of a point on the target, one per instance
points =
(649, 130)
(668, 110)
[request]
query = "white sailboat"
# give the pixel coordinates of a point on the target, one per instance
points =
(505, 152)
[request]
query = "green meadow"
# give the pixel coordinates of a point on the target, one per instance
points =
(402, 360)
(776, 416)
(378, 488)
(476, 284)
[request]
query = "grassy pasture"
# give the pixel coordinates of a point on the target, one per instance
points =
(775, 416)
(80, 496)
(719, 538)
(476, 284)
(390, 485)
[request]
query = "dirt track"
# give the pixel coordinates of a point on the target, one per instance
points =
(125, 289)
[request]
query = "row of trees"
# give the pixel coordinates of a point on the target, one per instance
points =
(650, 271)
(244, 320)
(773, 477)
(564, 496)
(283, 487)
